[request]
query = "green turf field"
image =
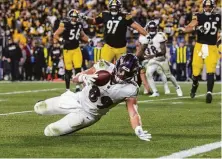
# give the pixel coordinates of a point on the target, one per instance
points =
(175, 125)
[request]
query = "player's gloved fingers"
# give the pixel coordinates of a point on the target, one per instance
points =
(144, 138)
(95, 75)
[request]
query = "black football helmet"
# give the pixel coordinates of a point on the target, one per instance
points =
(151, 28)
(208, 6)
(127, 67)
(73, 14)
(115, 6)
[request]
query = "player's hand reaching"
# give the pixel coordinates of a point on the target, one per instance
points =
(143, 135)
(201, 28)
(83, 16)
(88, 79)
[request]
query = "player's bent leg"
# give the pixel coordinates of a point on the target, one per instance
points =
(77, 70)
(70, 123)
(107, 53)
(210, 85)
(194, 86)
(68, 75)
(164, 80)
(119, 52)
(144, 81)
(47, 107)
(150, 69)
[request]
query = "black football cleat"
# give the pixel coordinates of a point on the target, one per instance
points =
(193, 91)
(209, 97)
(192, 95)
(78, 90)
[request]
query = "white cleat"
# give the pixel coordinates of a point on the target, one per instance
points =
(155, 94)
(145, 91)
(167, 92)
(179, 91)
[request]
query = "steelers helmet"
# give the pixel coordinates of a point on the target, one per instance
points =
(114, 6)
(73, 13)
(209, 3)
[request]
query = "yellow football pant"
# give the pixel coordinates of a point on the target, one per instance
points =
(109, 53)
(210, 61)
(72, 58)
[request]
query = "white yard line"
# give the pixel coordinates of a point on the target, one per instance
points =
(166, 99)
(30, 91)
(12, 113)
(142, 101)
(195, 151)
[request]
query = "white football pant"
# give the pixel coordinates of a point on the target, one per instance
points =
(151, 67)
(67, 103)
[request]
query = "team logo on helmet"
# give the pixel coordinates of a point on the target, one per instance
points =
(127, 67)
(73, 13)
(114, 6)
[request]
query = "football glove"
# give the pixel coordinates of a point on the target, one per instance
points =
(87, 79)
(201, 28)
(143, 135)
(83, 16)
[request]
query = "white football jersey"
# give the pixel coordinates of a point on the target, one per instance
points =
(154, 45)
(111, 93)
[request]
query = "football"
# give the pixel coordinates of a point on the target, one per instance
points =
(103, 78)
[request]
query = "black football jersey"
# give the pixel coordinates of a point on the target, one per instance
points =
(71, 34)
(211, 23)
(115, 28)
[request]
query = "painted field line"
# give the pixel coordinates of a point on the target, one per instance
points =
(30, 91)
(194, 151)
(166, 99)
(12, 113)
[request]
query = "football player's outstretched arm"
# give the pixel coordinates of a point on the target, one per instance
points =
(139, 28)
(84, 37)
(191, 26)
(86, 76)
(135, 119)
(58, 32)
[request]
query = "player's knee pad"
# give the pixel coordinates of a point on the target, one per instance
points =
(40, 107)
(77, 70)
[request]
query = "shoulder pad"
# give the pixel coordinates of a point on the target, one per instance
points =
(194, 17)
(162, 37)
(128, 16)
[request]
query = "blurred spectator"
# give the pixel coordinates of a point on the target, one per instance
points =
(182, 57)
(173, 54)
(55, 54)
(39, 60)
(13, 54)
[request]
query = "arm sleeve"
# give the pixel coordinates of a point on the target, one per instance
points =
(129, 20)
(99, 18)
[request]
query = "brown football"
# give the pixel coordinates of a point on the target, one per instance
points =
(103, 78)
